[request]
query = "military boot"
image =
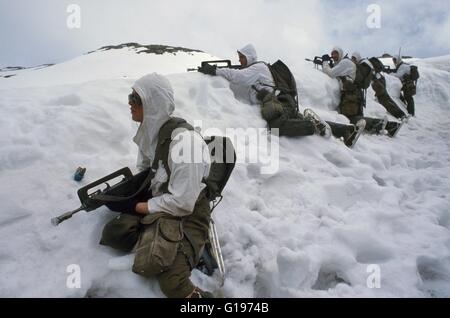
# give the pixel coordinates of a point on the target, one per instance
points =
(321, 127)
(352, 137)
(393, 128)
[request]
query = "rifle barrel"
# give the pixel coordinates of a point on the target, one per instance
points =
(59, 219)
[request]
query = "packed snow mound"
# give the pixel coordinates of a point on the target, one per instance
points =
(441, 63)
(130, 60)
(322, 225)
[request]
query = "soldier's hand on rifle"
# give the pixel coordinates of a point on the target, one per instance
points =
(128, 206)
(207, 69)
(388, 70)
(142, 208)
(326, 58)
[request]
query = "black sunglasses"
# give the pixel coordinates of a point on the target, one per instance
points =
(134, 99)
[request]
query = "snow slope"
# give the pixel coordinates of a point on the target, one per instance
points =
(129, 61)
(312, 229)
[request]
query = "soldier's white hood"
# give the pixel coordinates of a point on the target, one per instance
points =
(357, 56)
(250, 53)
(340, 52)
(158, 101)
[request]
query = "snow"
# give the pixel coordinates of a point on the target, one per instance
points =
(110, 64)
(315, 228)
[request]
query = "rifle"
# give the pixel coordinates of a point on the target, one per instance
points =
(218, 64)
(318, 61)
(128, 188)
(388, 70)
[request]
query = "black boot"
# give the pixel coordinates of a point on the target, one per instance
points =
(352, 137)
(393, 128)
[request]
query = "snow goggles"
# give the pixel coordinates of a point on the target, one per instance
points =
(134, 99)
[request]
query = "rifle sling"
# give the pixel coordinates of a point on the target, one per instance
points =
(112, 198)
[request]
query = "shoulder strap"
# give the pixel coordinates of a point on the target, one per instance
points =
(263, 84)
(257, 62)
(167, 129)
(162, 149)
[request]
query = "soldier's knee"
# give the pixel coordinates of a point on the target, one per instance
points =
(175, 285)
(121, 233)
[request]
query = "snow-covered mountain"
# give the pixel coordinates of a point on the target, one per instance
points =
(321, 226)
(130, 60)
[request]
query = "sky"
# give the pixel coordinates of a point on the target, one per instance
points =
(37, 32)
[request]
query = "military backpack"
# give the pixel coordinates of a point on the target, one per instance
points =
(414, 75)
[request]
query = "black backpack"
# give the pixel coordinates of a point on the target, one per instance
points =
(364, 75)
(284, 80)
(414, 75)
(223, 160)
(378, 66)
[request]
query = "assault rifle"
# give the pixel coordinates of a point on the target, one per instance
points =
(134, 188)
(387, 69)
(218, 64)
(318, 61)
(130, 187)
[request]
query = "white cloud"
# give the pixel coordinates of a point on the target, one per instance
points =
(418, 26)
(287, 29)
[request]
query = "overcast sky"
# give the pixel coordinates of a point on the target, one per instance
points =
(35, 32)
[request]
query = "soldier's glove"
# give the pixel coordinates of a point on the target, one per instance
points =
(326, 58)
(208, 69)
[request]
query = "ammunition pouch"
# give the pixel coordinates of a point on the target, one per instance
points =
(271, 108)
(350, 100)
(350, 104)
(409, 88)
(274, 107)
(158, 244)
(347, 85)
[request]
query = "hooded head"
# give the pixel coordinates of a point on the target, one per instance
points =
(356, 57)
(397, 59)
(340, 54)
(250, 53)
(158, 104)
